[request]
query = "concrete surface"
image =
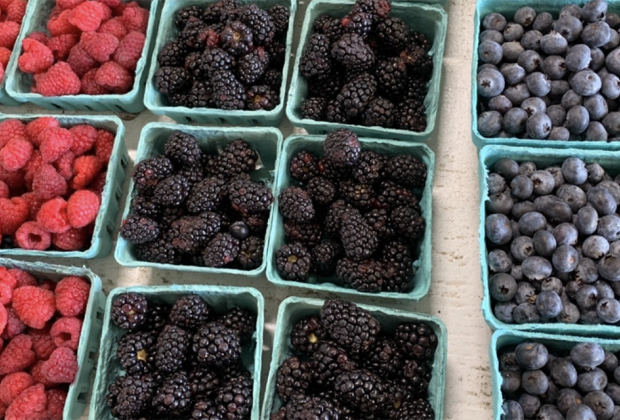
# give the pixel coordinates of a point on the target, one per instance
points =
(456, 292)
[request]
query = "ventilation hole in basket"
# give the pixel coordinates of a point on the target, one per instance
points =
(88, 108)
(189, 119)
(57, 106)
(118, 108)
(221, 120)
(99, 316)
(118, 194)
(124, 161)
(82, 397)
(92, 355)
(110, 228)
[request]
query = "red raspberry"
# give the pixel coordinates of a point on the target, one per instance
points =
(99, 46)
(38, 377)
(85, 169)
(8, 34)
(114, 77)
(4, 4)
(68, 4)
(104, 145)
(80, 62)
(54, 143)
(14, 325)
(107, 12)
(34, 305)
(15, 180)
(32, 167)
(13, 213)
(6, 294)
(42, 343)
(16, 10)
(59, 25)
(36, 58)
(61, 367)
(10, 129)
(39, 36)
(61, 46)
(3, 409)
(71, 240)
(114, 27)
(55, 404)
(34, 204)
(136, 19)
(112, 3)
(64, 165)
(4, 318)
(53, 216)
(90, 86)
(82, 208)
(4, 190)
(17, 355)
(23, 278)
(48, 285)
(66, 332)
(5, 56)
(7, 277)
(59, 80)
(32, 236)
(98, 183)
(48, 183)
(29, 405)
(35, 127)
(14, 384)
(87, 16)
(72, 296)
(129, 50)
(84, 138)
(15, 154)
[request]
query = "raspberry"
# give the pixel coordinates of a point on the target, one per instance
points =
(8, 34)
(17, 355)
(10, 129)
(61, 367)
(64, 165)
(36, 127)
(48, 184)
(87, 16)
(66, 332)
(4, 4)
(22, 278)
(34, 305)
(42, 343)
(68, 4)
(59, 25)
(129, 50)
(14, 325)
(99, 46)
(13, 213)
(15, 154)
(90, 86)
(106, 12)
(80, 62)
(4, 190)
(114, 27)
(61, 46)
(85, 169)
(58, 81)
(3, 409)
(38, 377)
(82, 208)
(29, 405)
(114, 77)
(32, 167)
(5, 56)
(14, 384)
(71, 240)
(16, 10)
(104, 145)
(15, 180)
(53, 216)
(32, 236)
(72, 296)
(54, 143)
(39, 36)
(34, 204)
(136, 19)
(36, 58)
(48, 285)
(6, 295)
(112, 3)
(4, 318)
(55, 404)
(84, 138)
(7, 277)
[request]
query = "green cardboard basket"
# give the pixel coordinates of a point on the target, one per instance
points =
(158, 104)
(293, 309)
(152, 140)
(220, 298)
(77, 395)
(610, 160)
(101, 242)
(5, 99)
(430, 19)
(507, 8)
(314, 144)
(18, 83)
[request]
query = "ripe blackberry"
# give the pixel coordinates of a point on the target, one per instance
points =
(418, 61)
(327, 88)
(315, 65)
(204, 383)
(325, 256)
(351, 51)
(414, 377)
(215, 59)
(411, 116)
(366, 276)
(206, 195)
(342, 148)
(279, 415)
(139, 229)
(359, 240)
(384, 358)
(419, 409)
(200, 95)
(174, 396)
(358, 195)
(302, 407)
(328, 361)
(417, 341)
(407, 171)
(319, 44)
(172, 191)
(333, 218)
(169, 215)
(206, 409)
(172, 348)
(235, 396)
(417, 88)
(249, 196)
(242, 321)
(130, 396)
(193, 174)
(194, 64)
(252, 66)
(370, 167)
(257, 222)
(359, 23)
(350, 326)
(273, 78)
(407, 222)
(293, 262)
(228, 92)
(334, 112)
(260, 22)
(234, 371)
(419, 39)
(216, 345)
(307, 233)
(280, 17)
(378, 220)
(313, 108)
(159, 251)
(321, 190)
(262, 97)
(293, 377)
(391, 76)
(392, 35)
(148, 173)
(189, 312)
(129, 311)
(363, 390)
(380, 112)
(398, 263)
(333, 29)
(172, 54)
(236, 158)
(222, 250)
(222, 11)
(144, 206)
(375, 8)
(251, 253)
(178, 99)
(320, 22)
(185, 13)
(307, 335)
(277, 54)
(183, 149)
(295, 203)
(303, 167)
(171, 80)
(356, 95)
(189, 36)
(136, 352)
(156, 317)
(391, 195)
(210, 36)
(237, 39)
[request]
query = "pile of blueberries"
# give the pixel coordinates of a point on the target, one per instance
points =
(578, 383)
(553, 242)
(550, 77)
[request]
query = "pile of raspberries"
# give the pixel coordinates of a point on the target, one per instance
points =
(40, 325)
(11, 15)
(93, 48)
(51, 180)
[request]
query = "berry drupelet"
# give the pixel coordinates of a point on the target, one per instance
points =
(129, 311)
(293, 262)
(189, 312)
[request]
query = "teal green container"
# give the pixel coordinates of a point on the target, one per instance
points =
(18, 84)
(88, 346)
(507, 8)
(212, 139)
(542, 157)
(5, 99)
(101, 242)
(430, 19)
(314, 144)
(294, 309)
(221, 298)
(159, 105)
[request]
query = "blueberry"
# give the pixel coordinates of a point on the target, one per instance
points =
(544, 243)
(609, 227)
(604, 290)
(491, 35)
(571, 99)
(529, 404)
(496, 183)
(549, 304)
(553, 44)
(543, 182)
(613, 391)
(612, 61)
(571, 10)
(489, 123)
(494, 21)
(503, 311)
(614, 41)
(586, 83)
(587, 355)
(559, 133)
(596, 132)
(521, 208)
(567, 398)
(617, 375)
(535, 382)
(500, 203)
(526, 313)
(532, 222)
(594, 11)
(506, 167)
(530, 60)
(577, 119)
(514, 121)
(516, 272)
(580, 412)
(587, 221)
(511, 381)
(570, 314)
(608, 310)
(578, 58)
(543, 22)
(613, 20)
(527, 168)
(602, 73)
(602, 200)
(595, 247)
(526, 293)
(609, 267)
(508, 361)
(598, 59)
(512, 410)
(569, 27)
(610, 364)
(563, 372)
(574, 171)
(596, 34)
(572, 195)
(536, 268)
(586, 297)
(596, 106)
(538, 126)
(502, 287)
(534, 106)
(614, 247)
(559, 88)
(498, 229)
(555, 209)
(565, 234)
(594, 380)
(522, 186)
(531, 40)
(511, 51)
(587, 271)
(525, 16)
(601, 404)
(554, 66)
(589, 317)
(513, 32)
(490, 83)
(557, 114)
(565, 259)
(517, 93)
(500, 104)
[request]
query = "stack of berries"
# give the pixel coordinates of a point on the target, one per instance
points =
(367, 68)
(93, 48)
(345, 367)
(197, 208)
(11, 15)
(226, 55)
(352, 214)
(40, 325)
(181, 362)
(51, 179)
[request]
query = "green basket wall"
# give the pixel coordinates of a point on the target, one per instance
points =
(294, 309)
(18, 83)
(5, 99)
(507, 8)
(88, 346)
(430, 19)
(101, 242)
(221, 298)
(314, 144)
(158, 104)
(152, 139)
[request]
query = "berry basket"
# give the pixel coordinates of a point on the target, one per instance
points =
(484, 7)
(5, 99)
(77, 396)
(294, 309)
(156, 103)
(265, 141)
(219, 297)
(101, 242)
(314, 144)
(18, 84)
(430, 19)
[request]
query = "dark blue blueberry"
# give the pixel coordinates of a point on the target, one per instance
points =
(549, 304)
(609, 267)
(508, 361)
(543, 22)
(498, 229)
(598, 59)
(513, 32)
(580, 412)
(491, 35)
(587, 355)
(563, 372)
(571, 99)
(532, 222)
(594, 11)
(557, 114)
(544, 182)
(587, 221)
(608, 310)
(512, 410)
(549, 412)
(565, 234)
(609, 227)
(494, 21)
(559, 133)
(508, 168)
(511, 51)
(500, 104)
(496, 183)
(596, 132)
(571, 10)
(602, 201)
(517, 93)
(567, 398)
(553, 44)
(595, 247)
(239, 230)
(613, 391)
(614, 41)
(559, 88)
(544, 243)
(570, 314)
(536, 268)
(511, 381)
(521, 248)
(577, 119)
(574, 171)
(554, 66)
(522, 187)
(534, 106)
(587, 271)
(552, 284)
(569, 27)
(596, 34)
(555, 209)
(500, 202)
(513, 73)
(589, 317)
(594, 380)
(534, 382)
(514, 121)
(586, 297)
(489, 123)
(526, 293)
(596, 106)
(586, 83)
(578, 58)
(499, 261)
(490, 83)
(525, 16)
(604, 290)
(526, 313)
(600, 403)
(612, 61)
(531, 40)
(530, 60)
(596, 173)
(522, 207)
(502, 287)
(610, 86)
(613, 20)
(610, 363)
(538, 126)
(527, 168)
(503, 311)
(529, 404)
(611, 122)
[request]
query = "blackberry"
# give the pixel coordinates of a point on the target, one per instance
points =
(307, 233)
(277, 54)
(178, 99)
(407, 170)
(398, 263)
(279, 415)
(392, 195)
(172, 54)
(319, 44)
(334, 112)
(257, 222)
(139, 229)
(172, 347)
(302, 407)
(252, 66)
(350, 326)
(206, 409)
(365, 276)
(356, 95)
(411, 116)
(237, 39)
(239, 230)
(359, 240)
(407, 222)
(328, 361)
(391, 76)
(358, 195)
(307, 335)
(313, 108)
(363, 390)
(320, 22)
(295, 203)
(185, 13)
(148, 173)
(342, 148)
(241, 321)
(417, 341)
(236, 158)
(260, 22)
(416, 91)
(333, 219)
(333, 29)
(327, 88)
(273, 78)
(384, 358)
(222, 11)
(189, 36)
(414, 377)
(236, 397)
(183, 149)
(210, 36)
(169, 215)
(172, 191)
(160, 251)
(200, 95)
(359, 23)
(206, 195)
(293, 377)
(189, 312)
(392, 35)
(215, 59)
(315, 65)
(251, 253)
(378, 220)
(129, 311)
(216, 345)
(303, 167)
(193, 174)
(321, 190)
(136, 352)
(419, 409)
(280, 17)
(293, 262)
(370, 167)
(418, 61)
(222, 250)
(228, 92)
(351, 51)
(130, 396)
(194, 65)
(380, 112)
(249, 196)
(174, 396)
(375, 8)
(234, 371)
(421, 40)
(325, 256)
(262, 97)
(204, 383)
(156, 317)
